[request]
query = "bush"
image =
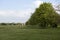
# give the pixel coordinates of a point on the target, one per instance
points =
(3, 24)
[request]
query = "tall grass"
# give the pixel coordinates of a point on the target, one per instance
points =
(15, 32)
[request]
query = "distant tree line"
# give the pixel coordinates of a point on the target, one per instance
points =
(10, 23)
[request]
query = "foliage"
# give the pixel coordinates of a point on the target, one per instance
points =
(43, 16)
(3, 24)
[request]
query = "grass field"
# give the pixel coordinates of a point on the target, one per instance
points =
(16, 33)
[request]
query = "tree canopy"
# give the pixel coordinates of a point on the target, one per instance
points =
(43, 16)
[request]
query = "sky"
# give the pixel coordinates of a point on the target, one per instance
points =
(20, 10)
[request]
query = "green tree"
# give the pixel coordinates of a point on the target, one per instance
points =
(43, 16)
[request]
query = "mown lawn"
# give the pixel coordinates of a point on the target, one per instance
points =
(15, 33)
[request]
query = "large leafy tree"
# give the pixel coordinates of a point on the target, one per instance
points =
(43, 16)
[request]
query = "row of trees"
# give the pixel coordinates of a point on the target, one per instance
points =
(10, 23)
(44, 16)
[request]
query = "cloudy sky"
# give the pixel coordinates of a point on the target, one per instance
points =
(20, 10)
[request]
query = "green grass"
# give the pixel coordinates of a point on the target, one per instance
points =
(16, 33)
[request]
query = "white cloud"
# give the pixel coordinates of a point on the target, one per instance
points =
(18, 13)
(14, 15)
(57, 8)
(58, 12)
(37, 3)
